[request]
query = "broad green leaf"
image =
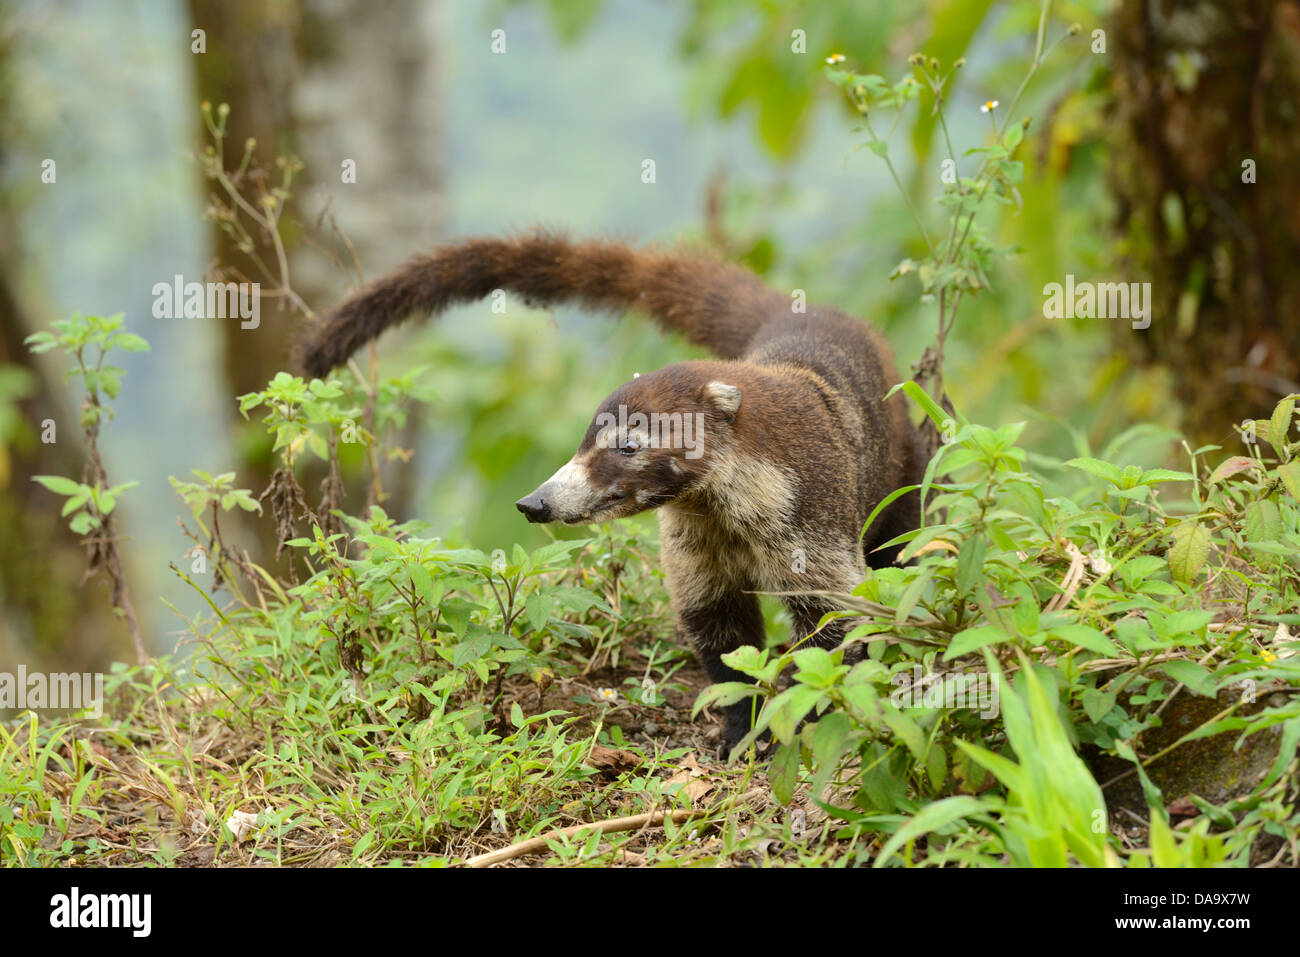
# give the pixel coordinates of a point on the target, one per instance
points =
(1164, 849)
(912, 594)
(970, 562)
(1104, 470)
(783, 772)
(1230, 467)
(1290, 476)
(1086, 637)
(789, 708)
(964, 642)
(1190, 549)
(1263, 521)
(553, 551)
(1098, 704)
(58, 484)
(1190, 674)
(1153, 476)
(932, 817)
(908, 731)
(130, 342)
(1006, 771)
(723, 694)
(1279, 425)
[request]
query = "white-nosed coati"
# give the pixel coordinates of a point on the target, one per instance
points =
(764, 465)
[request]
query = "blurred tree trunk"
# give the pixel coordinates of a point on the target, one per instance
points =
(369, 94)
(250, 64)
(1206, 170)
(348, 81)
(48, 617)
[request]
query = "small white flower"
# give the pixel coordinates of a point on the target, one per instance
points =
(241, 823)
(1097, 562)
(989, 106)
(836, 58)
(607, 694)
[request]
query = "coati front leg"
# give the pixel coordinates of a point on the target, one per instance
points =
(724, 624)
(716, 626)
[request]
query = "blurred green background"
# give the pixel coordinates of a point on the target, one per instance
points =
(755, 152)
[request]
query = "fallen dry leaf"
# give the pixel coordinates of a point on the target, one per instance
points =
(694, 778)
(613, 759)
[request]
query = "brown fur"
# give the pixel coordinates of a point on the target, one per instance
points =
(797, 445)
(711, 303)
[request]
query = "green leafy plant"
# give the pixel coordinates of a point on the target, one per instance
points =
(87, 341)
(1094, 608)
(958, 264)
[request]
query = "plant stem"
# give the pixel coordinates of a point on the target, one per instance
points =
(899, 183)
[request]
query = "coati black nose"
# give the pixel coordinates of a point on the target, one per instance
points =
(534, 507)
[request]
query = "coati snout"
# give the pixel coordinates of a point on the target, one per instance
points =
(764, 466)
(647, 444)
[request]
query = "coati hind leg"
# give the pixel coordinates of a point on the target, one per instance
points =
(806, 612)
(715, 627)
(839, 572)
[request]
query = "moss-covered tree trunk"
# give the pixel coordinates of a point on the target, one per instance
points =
(1206, 170)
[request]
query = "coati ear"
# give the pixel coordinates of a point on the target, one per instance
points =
(724, 396)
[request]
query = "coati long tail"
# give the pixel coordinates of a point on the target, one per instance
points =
(713, 304)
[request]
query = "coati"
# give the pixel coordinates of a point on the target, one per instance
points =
(764, 465)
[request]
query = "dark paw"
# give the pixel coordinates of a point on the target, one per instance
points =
(735, 728)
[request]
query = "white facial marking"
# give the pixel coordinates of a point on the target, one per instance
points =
(612, 438)
(570, 492)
